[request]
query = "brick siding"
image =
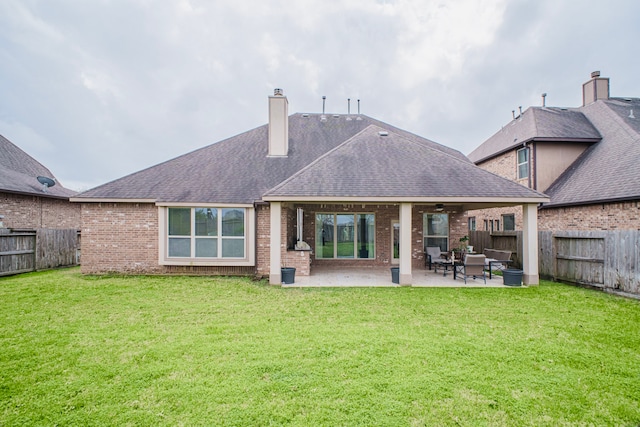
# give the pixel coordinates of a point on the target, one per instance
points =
(22, 211)
(123, 238)
(604, 216)
(120, 238)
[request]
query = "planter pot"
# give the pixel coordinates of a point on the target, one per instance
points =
(288, 275)
(512, 277)
(395, 275)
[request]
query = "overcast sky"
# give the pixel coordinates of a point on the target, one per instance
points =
(98, 89)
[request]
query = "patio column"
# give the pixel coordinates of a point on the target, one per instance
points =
(275, 242)
(405, 244)
(530, 244)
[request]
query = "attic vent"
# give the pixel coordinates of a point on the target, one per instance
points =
(383, 133)
(305, 115)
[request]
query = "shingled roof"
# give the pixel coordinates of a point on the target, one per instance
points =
(377, 163)
(538, 124)
(607, 171)
(19, 172)
(238, 170)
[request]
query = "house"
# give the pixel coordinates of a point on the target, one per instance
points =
(304, 190)
(26, 203)
(583, 158)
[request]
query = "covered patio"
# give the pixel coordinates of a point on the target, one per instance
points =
(335, 277)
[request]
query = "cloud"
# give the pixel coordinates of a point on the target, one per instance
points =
(119, 86)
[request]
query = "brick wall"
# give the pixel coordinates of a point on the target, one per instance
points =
(123, 238)
(385, 214)
(605, 216)
(263, 245)
(506, 166)
(120, 238)
(21, 211)
(495, 214)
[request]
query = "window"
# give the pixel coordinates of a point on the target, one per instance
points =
(436, 230)
(472, 223)
(497, 223)
(345, 235)
(509, 222)
(486, 225)
(523, 163)
(206, 233)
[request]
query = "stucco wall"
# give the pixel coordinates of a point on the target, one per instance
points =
(21, 211)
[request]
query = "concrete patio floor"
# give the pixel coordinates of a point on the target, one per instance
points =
(381, 277)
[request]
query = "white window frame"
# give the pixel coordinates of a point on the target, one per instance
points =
(425, 229)
(163, 233)
(519, 164)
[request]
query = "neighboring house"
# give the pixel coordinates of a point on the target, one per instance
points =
(25, 203)
(584, 159)
(340, 190)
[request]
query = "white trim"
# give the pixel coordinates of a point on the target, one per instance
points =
(103, 200)
(394, 221)
(249, 247)
(275, 242)
(405, 243)
(508, 201)
(530, 245)
(203, 205)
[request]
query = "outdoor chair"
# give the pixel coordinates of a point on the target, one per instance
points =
(433, 255)
(496, 260)
(473, 266)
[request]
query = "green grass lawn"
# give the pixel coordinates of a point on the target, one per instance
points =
(221, 351)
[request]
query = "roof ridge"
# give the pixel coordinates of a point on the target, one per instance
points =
(318, 159)
(619, 120)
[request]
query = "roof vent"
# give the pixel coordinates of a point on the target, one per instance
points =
(323, 118)
(631, 116)
(336, 116)
(305, 115)
(595, 74)
(383, 133)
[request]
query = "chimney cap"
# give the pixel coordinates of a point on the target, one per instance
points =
(278, 92)
(595, 74)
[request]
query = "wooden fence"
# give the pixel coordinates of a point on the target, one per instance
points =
(503, 240)
(605, 259)
(30, 250)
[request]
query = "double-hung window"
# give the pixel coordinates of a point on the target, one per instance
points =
(436, 230)
(523, 163)
(509, 222)
(206, 233)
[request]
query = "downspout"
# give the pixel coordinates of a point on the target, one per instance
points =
(534, 170)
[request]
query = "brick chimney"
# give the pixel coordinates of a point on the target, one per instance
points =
(278, 124)
(594, 89)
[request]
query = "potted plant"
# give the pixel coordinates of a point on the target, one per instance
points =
(464, 244)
